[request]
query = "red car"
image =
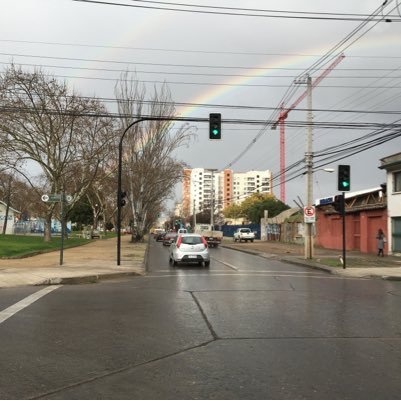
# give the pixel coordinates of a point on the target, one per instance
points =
(169, 238)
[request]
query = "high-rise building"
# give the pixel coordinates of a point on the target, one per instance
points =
(226, 186)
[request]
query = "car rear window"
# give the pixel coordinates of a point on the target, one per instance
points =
(191, 240)
(246, 230)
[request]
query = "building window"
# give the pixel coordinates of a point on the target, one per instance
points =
(397, 181)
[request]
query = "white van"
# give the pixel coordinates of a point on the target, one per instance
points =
(182, 231)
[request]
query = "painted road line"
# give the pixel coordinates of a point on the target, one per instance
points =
(13, 309)
(226, 264)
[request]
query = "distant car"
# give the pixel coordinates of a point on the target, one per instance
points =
(169, 238)
(189, 248)
(160, 236)
(244, 234)
(95, 234)
(182, 231)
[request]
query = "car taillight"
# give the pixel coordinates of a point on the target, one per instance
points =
(179, 242)
(204, 242)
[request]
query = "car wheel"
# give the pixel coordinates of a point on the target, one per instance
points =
(174, 262)
(251, 240)
(207, 263)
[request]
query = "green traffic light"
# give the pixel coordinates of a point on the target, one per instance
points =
(345, 184)
(215, 132)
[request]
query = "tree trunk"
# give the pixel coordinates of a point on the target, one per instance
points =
(48, 225)
(8, 204)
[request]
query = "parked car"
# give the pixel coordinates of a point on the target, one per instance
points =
(169, 238)
(95, 234)
(244, 234)
(189, 248)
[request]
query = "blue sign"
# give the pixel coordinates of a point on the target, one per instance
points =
(326, 201)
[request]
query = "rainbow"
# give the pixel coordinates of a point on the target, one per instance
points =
(283, 62)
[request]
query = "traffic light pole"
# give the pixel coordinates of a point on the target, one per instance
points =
(344, 242)
(120, 162)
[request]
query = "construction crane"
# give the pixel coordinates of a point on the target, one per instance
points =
(283, 115)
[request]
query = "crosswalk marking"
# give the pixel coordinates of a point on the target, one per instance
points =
(13, 309)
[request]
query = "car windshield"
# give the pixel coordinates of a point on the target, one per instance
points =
(191, 240)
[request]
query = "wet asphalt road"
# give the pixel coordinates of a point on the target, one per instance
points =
(245, 328)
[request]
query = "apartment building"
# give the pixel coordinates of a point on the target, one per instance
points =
(201, 187)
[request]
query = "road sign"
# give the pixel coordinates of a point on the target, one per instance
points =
(68, 198)
(51, 198)
(309, 214)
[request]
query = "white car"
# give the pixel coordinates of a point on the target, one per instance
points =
(189, 248)
(244, 234)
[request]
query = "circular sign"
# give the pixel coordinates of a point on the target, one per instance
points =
(45, 198)
(68, 198)
(309, 211)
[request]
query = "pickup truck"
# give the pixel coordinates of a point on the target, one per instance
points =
(212, 237)
(244, 234)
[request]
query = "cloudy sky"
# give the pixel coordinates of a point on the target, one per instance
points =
(242, 66)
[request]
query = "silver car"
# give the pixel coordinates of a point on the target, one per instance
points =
(189, 248)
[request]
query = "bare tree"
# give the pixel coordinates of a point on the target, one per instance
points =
(150, 169)
(64, 135)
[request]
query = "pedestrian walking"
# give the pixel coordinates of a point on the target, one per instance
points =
(381, 239)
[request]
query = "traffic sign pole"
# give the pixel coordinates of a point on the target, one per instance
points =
(62, 198)
(62, 228)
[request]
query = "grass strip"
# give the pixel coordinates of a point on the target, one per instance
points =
(19, 246)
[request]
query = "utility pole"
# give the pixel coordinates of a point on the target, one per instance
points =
(212, 202)
(309, 170)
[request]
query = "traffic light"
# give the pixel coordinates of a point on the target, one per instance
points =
(123, 194)
(344, 177)
(214, 126)
(338, 203)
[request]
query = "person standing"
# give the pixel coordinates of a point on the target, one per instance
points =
(380, 242)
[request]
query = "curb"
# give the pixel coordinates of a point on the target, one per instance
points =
(294, 261)
(312, 265)
(89, 279)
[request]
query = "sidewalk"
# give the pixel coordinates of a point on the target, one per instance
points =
(358, 265)
(84, 264)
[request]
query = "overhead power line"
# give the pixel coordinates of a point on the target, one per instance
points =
(227, 106)
(328, 57)
(232, 11)
(157, 49)
(327, 125)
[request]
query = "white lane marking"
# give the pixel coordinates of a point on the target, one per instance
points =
(13, 309)
(226, 264)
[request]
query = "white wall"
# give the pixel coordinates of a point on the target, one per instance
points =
(10, 221)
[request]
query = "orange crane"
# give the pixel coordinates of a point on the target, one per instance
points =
(283, 115)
